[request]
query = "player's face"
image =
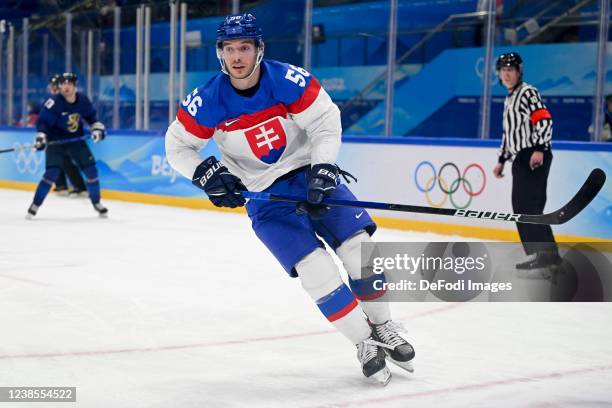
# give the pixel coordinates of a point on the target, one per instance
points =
(240, 57)
(54, 89)
(68, 89)
(509, 76)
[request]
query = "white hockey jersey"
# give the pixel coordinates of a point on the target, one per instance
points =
(288, 123)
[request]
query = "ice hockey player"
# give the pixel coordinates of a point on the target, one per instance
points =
(68, 170)
(61, 119)
(279, 131)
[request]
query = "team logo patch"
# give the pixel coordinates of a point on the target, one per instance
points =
(267, 140)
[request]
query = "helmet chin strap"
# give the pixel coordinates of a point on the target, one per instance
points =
(260, 53)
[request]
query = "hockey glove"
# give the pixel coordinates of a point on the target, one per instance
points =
(322, 182)
(98, 132)
(41, 141)
(221, 186)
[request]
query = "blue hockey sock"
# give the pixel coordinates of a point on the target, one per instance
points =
(367, 291)
(338, 303)
(93, 183)
(369, 288)
(45, 184)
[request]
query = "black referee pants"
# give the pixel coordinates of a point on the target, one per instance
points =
(529, 197)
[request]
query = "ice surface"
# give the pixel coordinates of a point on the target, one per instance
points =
(168, 307)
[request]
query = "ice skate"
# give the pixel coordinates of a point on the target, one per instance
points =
(74, 193)
(399, 351)
(32, 210)
(61, 191)
(102, 210)
(372, 359)
(540, 265)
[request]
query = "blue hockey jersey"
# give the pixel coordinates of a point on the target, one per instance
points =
(60, 119)
(288, 123)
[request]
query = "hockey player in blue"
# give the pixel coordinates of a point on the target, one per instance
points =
(279, 132)
(61, 120)
(69, 170)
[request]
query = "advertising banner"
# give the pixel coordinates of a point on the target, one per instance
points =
(408, 171)
(127, 161)
(443, 174)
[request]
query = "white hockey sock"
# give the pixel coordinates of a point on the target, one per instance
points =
(321, 279)
(350, 254)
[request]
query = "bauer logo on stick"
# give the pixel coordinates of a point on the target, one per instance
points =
(488, 215)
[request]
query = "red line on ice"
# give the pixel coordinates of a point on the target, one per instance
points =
(467, 387)
(208, 344)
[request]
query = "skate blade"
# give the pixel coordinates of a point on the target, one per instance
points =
(381, 377)
(406, 365)
(29, 216)
(79, 195)
(538, 273)
(105, 215)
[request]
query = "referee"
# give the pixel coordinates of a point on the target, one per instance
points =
(527, 134)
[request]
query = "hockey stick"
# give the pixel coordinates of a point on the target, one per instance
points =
(51, 143)
(581, 199)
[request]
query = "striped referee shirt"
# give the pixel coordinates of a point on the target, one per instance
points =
(527, 122)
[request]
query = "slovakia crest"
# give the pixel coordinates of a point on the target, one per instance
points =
(267, 140)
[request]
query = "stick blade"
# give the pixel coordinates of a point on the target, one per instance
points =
(589, 190)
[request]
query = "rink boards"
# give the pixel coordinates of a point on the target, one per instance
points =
(450, 173)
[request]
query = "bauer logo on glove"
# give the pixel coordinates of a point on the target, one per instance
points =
(210, 171)
(222, 187)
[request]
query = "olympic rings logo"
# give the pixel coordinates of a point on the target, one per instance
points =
(439, 178)
(26, 158)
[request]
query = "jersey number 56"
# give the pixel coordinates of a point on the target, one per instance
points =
(297, 75)
(192, 102)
